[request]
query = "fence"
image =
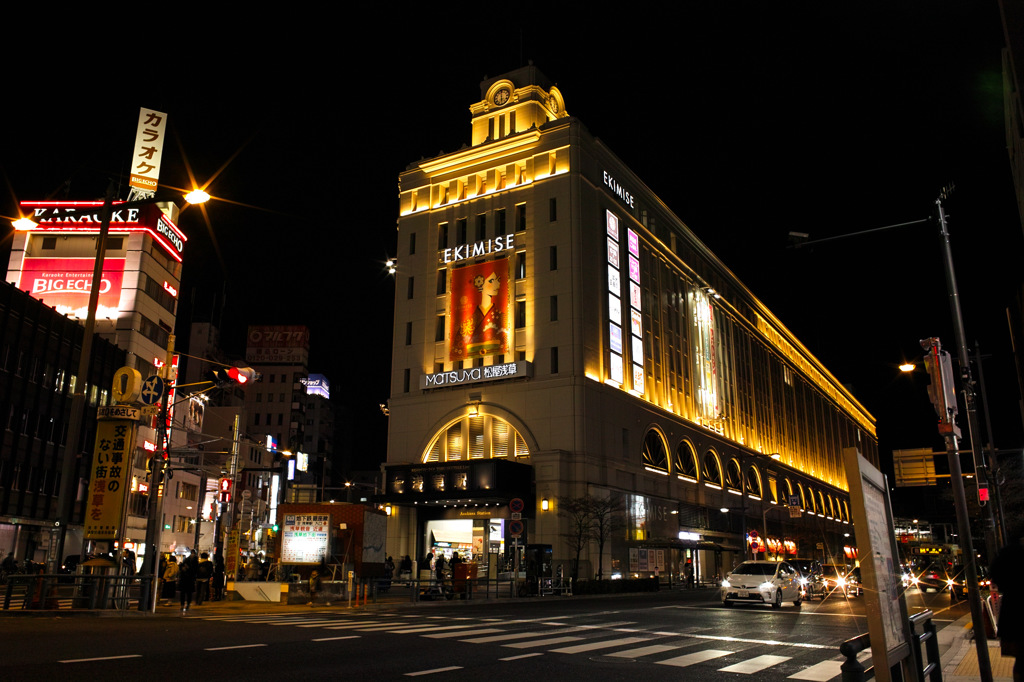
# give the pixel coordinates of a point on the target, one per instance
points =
(926, 665)
(62, 591)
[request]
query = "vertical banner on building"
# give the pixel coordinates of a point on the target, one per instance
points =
(615, 373)
(480, 310)
(110, 471)
(149, 148)
(635, 310)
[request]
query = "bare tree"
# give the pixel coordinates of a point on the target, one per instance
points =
(606, 517)
(579, 512)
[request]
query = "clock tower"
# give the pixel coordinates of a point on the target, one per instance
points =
(514, 102)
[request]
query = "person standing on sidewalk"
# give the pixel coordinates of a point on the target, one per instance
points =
(186, 584)
(204, 571)
(218, 577)
(314, 586)
(1005, 574)
(170, 580)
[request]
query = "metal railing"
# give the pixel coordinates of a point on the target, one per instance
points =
(62, 591)
(925, 665)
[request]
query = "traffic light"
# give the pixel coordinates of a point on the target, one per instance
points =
(225, 490)
(237, 375)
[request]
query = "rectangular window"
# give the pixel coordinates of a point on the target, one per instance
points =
(442, 282)
(49, 243)
(521, 265)
(280, 419)
(408, 334)
(412, 243)
(411, 287)
(499, 222)
(553, 257)
(552, 209)
(554, 360)
(481, 227)
(442, 236)
(406, 378)
(520, 217)
(520, 314)
(461, 230)
(256, 419)
(554, 309)
(439, 330)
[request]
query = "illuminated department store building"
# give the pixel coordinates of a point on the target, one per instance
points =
(560, 333)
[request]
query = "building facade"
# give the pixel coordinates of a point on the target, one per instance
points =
(561, 334)
(53, 262)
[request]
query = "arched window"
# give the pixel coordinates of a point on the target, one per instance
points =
(712, 469)
(803, 497)
(754, 485)
(685, 462)
(821, 504)
(655, 456)
(479, 436)
(733, 479)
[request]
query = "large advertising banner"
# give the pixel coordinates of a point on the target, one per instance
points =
(108, 476)
(480, 313)
(65, 283)
(282, 344)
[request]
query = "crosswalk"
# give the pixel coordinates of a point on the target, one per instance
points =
(566, 636)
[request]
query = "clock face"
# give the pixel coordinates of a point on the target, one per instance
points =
(501, 96)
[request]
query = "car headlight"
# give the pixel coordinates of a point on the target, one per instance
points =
(950, 583)
(725, 583)
(914, 579)
(840, 582)
(767, 585)
(803, 581)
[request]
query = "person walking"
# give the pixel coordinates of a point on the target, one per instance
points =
(186, 583)
(1005, 573)
(204, 572)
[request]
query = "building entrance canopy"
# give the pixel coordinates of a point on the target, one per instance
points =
(484, 481)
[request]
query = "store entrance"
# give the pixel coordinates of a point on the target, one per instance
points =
(480, 541)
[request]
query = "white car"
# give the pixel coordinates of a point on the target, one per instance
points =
(762, 582)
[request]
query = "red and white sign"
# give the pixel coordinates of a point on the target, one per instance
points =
(65, 283)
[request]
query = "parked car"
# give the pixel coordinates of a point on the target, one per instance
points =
(762, 582)
(806, 568)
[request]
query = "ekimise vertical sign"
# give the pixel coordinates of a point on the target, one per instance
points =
(480, 310)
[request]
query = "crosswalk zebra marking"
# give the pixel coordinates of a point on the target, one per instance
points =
(694, 658)
(755, 665)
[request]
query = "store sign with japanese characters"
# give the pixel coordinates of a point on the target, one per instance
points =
(305, 538)
(109, 477)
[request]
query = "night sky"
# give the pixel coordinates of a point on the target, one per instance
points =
(749, 123)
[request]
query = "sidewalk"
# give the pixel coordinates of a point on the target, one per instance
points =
(960, 656)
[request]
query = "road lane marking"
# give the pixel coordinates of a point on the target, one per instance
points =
(755, 665)
(507, 636)
(746, 640)
(826, 670)
(592, 646)
(431, 628)
(644, 651)
(435, 670)
(543, 642)
(333, 639)
(101, 658)
(482, 631)
(516, 658)
(237, 646)
(696, 657)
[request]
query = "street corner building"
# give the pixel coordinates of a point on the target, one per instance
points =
(561, 334)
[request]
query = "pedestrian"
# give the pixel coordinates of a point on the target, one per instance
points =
(314, 586)
(9, 565)
(1005, 574)
(688, 574)
(218, 577)
(170, 578)
(186, 583)
(439, 568)
(405, 568)
(204, 572)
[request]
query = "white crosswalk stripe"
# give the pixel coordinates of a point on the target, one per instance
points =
(696, 657)
(594, 646)
(551, 641)
(755, 665)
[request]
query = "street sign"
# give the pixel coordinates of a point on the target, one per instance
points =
(516, 516)
(152, 390)
(515, 529)
(516, 505)
(118, 412)
(126, 385)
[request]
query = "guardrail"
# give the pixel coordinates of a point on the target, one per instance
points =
(927, 665)
(55, 591)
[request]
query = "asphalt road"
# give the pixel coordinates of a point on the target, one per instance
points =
(659, 636)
